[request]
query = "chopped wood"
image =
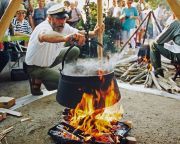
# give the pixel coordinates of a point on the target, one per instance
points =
(2, 116)
(5, 131)
(123, 65)
(171, 83)
(11, 112)
(135, 73)
(139, 81)
(147, 78)
(164, 85)
(131, 140)
(165, 68)
(26, 119)
(138, 76)
(129, 77)
(120, 71)
(149, 83)
(6, 102)
(174, 85)
(128, 70)
(168, 66)
(155, 81)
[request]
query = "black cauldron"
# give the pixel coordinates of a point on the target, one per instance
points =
(71, 88)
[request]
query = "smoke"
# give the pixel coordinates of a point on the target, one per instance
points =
(90, 66)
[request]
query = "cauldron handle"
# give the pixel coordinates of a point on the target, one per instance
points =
(63, 60)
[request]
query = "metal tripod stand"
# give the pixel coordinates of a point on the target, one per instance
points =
(148, 17)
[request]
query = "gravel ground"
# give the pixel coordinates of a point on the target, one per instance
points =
(156, 120)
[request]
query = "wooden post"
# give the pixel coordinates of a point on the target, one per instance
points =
(100, 22)
(8, 16)
(175, 6)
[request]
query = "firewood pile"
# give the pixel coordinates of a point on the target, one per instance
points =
(141, 73)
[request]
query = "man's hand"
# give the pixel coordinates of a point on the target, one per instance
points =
(99, 29)
(76, 38)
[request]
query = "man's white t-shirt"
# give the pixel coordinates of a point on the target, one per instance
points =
(43, 54)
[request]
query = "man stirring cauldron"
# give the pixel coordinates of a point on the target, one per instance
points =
(46, 48)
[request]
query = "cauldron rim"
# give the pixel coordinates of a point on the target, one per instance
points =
(80, 76)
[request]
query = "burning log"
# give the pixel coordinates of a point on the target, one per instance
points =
(65, 132)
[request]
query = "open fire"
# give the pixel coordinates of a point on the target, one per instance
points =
(96, 118)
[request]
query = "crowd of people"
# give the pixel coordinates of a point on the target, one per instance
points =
(132, 14)
(49, 29)
(51, 24)
(28, 17)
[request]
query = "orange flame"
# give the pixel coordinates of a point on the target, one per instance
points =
(145, 59)
(100, 74)
(96, 122)
(149, 67)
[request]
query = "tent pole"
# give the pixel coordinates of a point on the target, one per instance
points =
(8, 16)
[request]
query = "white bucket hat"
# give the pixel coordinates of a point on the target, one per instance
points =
(22, 8)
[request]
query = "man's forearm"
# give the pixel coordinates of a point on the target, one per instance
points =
(51, 37)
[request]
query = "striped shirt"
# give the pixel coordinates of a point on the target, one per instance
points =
(22, 27)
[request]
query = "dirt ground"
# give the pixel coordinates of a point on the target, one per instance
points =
(156, 120)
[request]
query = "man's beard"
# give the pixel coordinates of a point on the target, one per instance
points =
(57, 28)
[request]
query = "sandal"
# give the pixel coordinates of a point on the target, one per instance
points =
(35, 85)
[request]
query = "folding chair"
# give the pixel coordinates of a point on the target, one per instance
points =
(16, 64)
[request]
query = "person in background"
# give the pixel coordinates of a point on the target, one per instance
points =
(170, 19)
(111, 9)
(28, 6)
(117, 14)
(46, 48)
(4, 55)
(40, 13)
(159, 14)
(20, 24)
(21, 27)
(67, 6)
(129, 17)
(75, 14)
(50, 3)
(141, 7)
(159, 47)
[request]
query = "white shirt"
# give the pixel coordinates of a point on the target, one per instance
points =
(117, 12)
(43, 54)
